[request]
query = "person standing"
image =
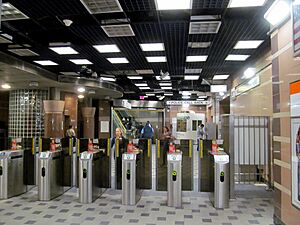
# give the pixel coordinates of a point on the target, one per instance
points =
(201, 132)
(166, 137)
(148, 131)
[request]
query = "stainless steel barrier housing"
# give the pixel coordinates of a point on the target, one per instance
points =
(174, 179)
(89, 176)
(130, 192)
(11, 173)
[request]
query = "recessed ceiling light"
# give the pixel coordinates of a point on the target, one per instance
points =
(141, 85)
(145, 71)
(278, 12)
(192, 70)
(81, 89)
(80, 61)
(191, 77)
(220, 77)
(165, 78)
(237, 57)
(248, 44)
(218, 88)
(150, 94)
(165, 84)
(203, 96)
(173, 4)
(153, 47)
(156, 59)
(70, 73)
(168, 94)
(144, 88)
(117, 60)
(196, 58)
(135, 77)
(204, 27)
(108, 79)
(10, 12)
(245, 3)
(107, 48)
(4, 40)
(23, 52)
(102, 6)
(186, 93)
(45, 62)
(64, 50)
(166, 88)
(186, 97)
(6, 86)
(80, 96)
(118, 30)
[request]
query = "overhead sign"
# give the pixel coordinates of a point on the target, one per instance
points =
(186, 102)
(126, 104)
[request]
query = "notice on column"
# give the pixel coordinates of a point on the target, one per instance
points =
(104, 126)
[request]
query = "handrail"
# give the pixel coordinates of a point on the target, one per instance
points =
(119, 122)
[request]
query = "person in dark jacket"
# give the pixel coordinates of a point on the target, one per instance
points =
(148, 131)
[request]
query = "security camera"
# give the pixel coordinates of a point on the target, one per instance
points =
(163, 75)
(67, 22)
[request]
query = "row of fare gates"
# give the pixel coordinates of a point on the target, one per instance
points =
(93, 165)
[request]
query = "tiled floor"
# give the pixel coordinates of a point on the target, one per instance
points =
(150, 210)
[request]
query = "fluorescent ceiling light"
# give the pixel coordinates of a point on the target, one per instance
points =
(173, 4)
(80, 61)
(5, 86)
(186, 93)
(200, 99)
(144, 88)
(107, 48)
(135, 77)
(278, 12)
(203, 96)
(167, 88)
(191, 77)
(108, 79)
(237, 57)
(152, 47)
(117, 60)
(156, 59)
(81, 89)
(161, 98)
(80, 96)
(165, 84)
(141, 85)
(245, 3)
(10, 12)
(165, 78)
(168, 94)
(220, 77)
(218, 88)
(64, 50)
(150, 94)
(196, 58)
(248, 44)
(186, 97)
(45, 62)
(249, 72)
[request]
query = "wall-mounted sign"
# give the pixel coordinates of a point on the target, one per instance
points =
(126, 104)
(295, 141)
(187, 102)
(296, 27)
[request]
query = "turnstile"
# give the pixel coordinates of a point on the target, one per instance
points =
(11, 173)
(130, 192)
(220, 194)
(174, 179)
(50, 182)
(89, 176)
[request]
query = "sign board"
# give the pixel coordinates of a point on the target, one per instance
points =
(174, 157)
(127, 156)
(296, 27)
(104, 126)
(95, 141)
(187, 102)
(295, 141)
(221, 158)
(45, 155)
(126, 104)
(85, 155)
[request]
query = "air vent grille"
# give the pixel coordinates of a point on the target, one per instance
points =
(205, 27)
(121, 30)
(145, 71)
(4, 40)
(102, 6)
(23, 52)
(10, 12)
(187, 71)
(199, 44)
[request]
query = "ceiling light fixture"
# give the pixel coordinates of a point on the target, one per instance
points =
(249, 44)
(218, 88)
(196, 58)
(152, 47)
(146, 71)
(81, 89)
(166, 88)
(156, 59)
(135, 77)
(6, 86)
(220, 77)
(188, 71)
(107, 48)
(185, 105)
(144, 88)
(186, 97)
(191, 77)
(165, 78)
(186, 93)
(245, 3)
(168, 94)
(117, 60)
(231, 57)
(165, 84)
(278, 12)
(81, 61)
(173, 4)
(141, 85)
(10, 12)
(150, 94)
(46, 62)
(112, 79)
(80, 96)
(64, 50)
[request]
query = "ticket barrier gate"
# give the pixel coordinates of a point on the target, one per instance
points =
(175, 179)
(131, 193)
(89, 176)
(50, 182)
(220, 195)
(11, 173)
